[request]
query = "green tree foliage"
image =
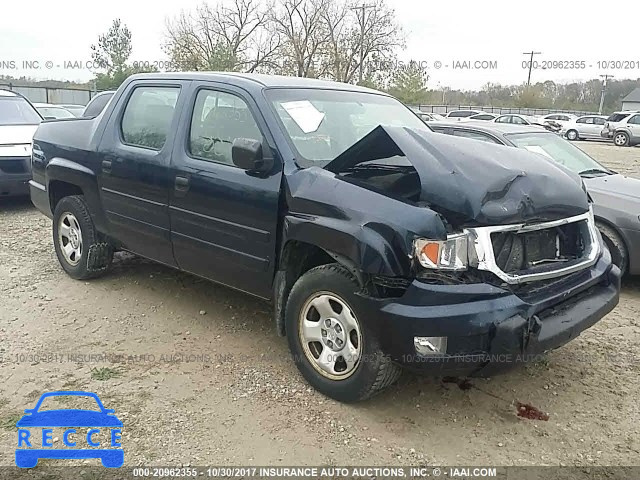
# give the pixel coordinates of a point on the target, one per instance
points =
(111, 55)
(409, 84)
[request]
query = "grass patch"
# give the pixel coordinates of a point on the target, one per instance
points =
(9, 422)
(104, 373)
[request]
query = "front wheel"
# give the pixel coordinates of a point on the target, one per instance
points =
(334, 348)
(572, 135)
(80, 248)
(621, 139)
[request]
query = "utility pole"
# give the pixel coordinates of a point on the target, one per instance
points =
(531, 54)
(362, 19)
(604, 90)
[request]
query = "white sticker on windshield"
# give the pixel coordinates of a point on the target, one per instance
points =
(538, 149)
(304, 114)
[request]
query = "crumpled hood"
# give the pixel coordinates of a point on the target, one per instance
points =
(469, 181)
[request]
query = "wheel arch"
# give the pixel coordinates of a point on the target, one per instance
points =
(616, 230)
(65, 178)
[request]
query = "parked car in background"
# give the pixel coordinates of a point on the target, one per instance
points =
(613, 120)
(53, 112)
(458, 114)
(75, 109)
(560, 118)
(616, 197)
(584, 128)
(519, 119)
(18, 121)
(626, 132)
(379, 242)
(487, 117)
(97, 103)
(429, 116)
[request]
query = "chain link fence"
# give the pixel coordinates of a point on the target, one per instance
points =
(59, 96)
(444, 109)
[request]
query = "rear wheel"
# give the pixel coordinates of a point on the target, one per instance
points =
(621, 139)
(572, 135)
(81, 250)
(616, 246)
(334, 349)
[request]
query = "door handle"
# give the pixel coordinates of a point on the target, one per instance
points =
(182, 184)
(106, 166)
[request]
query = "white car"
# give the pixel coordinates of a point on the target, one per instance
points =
(49, 111)
(18, 122)
(614, 121)
(519, 119)
(561, 118)
(429, 116)
(585, 127)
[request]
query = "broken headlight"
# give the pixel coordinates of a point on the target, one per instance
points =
(449, 254)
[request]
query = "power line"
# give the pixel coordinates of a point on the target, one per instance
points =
(605, 80)
(531, 54)
(363, 8)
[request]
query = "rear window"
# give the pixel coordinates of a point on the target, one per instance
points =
(17, 111)
(617, 117)
(462, 113)
(97, 104)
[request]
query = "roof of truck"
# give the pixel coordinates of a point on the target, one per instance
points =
(258, 80)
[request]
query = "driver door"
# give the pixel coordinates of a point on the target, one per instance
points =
(223, 219)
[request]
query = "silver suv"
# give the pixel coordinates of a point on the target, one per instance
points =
(623, 128)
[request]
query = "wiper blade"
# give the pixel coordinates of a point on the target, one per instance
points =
(591, 171)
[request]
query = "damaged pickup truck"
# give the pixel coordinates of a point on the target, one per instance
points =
(381, 244)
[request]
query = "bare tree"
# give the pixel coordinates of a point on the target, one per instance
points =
(363, 39)
(302, 26)
(220, 37)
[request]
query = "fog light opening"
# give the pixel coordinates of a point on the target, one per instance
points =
(430, 345)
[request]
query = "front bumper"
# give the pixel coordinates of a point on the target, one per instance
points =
(606, 133)
(490, 328)
(15, 173)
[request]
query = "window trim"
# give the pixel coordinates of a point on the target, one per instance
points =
(496, 140)
(191, 111)
(127, 99)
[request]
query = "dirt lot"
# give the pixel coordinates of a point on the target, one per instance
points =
(203, 378)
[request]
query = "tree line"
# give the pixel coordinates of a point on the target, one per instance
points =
(342, 40)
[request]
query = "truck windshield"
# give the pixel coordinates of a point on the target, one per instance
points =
(559, 150)
(17, 111)
(324, 123)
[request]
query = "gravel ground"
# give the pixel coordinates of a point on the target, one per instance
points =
(198, 376)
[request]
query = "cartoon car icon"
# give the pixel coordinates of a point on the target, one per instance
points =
(70, 419)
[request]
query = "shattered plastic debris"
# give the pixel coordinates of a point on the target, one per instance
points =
(530, 412)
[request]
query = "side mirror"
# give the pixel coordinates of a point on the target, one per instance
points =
(246, 153)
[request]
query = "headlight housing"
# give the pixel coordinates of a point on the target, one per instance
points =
(449, 254)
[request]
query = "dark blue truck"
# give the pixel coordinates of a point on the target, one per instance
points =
(380, 243)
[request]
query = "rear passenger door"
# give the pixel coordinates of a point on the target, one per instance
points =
(134, 157)
(223, 219)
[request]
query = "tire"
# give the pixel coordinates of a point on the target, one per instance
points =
(616, 246)
(332, 286)
(81, 250)
(573, 135)
(621, 139)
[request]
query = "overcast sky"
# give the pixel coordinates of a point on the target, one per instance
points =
(437, 31)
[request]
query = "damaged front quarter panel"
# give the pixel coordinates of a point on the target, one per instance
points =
(372, 230)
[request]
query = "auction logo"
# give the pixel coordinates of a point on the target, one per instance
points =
(36, 433)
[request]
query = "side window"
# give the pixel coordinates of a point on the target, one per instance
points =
(474, 135)
(553, 117)
(504, 119)
(147, 116)
(218, 119)
(518, 121)
(582, 120)
(599, 121)
(635, 120)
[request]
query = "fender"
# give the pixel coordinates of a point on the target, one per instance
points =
(64, 170)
